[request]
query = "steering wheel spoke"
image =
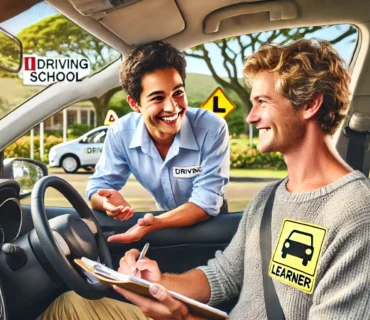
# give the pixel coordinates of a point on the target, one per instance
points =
(63, 245)
(92, 226)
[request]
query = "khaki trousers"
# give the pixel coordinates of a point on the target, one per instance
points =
(71, 306)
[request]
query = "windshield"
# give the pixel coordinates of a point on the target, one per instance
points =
(210, 66)
(44, 32)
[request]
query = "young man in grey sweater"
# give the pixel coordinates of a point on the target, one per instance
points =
(320, 225)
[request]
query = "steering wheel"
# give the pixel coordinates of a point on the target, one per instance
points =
(68, 236)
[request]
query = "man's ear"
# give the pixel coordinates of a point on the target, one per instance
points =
(312, 108)
(134, 106)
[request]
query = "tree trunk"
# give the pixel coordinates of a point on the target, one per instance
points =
(101, 105)
(246, 106)
(101, 111)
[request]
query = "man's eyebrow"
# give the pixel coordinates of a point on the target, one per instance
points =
(162, 92)
(154, 93)
(181, 85)
(259, 97)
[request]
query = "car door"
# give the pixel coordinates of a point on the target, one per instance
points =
(176, 250)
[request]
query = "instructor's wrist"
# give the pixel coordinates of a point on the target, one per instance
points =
(157, 224)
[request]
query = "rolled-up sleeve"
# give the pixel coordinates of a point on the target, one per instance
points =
(208, 187)
(112, 170)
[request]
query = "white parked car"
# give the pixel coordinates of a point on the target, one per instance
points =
(82, 152)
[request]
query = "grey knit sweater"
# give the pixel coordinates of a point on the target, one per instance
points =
(342, 288)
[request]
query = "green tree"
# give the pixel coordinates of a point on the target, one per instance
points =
(4, 107)
(234, 50)
(58, 36)
(9, 52)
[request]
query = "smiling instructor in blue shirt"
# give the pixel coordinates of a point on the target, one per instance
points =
(179, 154)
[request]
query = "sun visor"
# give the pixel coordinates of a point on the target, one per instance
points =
(137, 22)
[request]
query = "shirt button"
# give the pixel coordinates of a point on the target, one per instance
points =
(165, 183)
(170, 199)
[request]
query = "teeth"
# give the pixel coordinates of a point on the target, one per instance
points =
(264, 130)
(170, 118)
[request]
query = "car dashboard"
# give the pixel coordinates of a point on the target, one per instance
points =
(10, 226)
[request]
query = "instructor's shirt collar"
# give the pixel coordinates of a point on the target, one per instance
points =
(184, 139)
(141, 137)
(186, 136)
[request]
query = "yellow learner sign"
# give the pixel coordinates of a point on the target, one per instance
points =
(218, 102)
(297, 254)
(110, 118)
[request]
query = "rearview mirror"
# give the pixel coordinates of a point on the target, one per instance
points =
(26, 172)
(10, 52)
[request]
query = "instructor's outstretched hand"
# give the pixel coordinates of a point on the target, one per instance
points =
(115, 204)
(143, 227)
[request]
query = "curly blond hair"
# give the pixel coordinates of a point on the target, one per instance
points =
(305, 68)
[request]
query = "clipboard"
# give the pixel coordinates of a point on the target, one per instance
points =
(108, 276)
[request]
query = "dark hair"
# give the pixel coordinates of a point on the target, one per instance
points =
(305, 68)
(146, 59)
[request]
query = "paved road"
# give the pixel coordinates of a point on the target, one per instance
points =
(238, 192)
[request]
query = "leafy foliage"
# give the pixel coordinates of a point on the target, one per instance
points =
(58, 36)
(76, 130)
(4, 107)
(250, 158)
(21, 147)
(9, 52)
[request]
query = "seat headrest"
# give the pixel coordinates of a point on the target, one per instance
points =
(360, 122)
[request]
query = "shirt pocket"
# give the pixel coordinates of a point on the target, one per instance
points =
(185, 188)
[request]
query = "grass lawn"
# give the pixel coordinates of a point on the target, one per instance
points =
(258, 173)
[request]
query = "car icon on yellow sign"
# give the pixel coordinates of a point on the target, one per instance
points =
(299, 244)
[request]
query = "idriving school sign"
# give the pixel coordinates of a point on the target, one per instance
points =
(41, 71)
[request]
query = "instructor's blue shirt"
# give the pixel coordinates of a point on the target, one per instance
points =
(196, 168)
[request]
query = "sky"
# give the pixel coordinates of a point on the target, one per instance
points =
(42, 10)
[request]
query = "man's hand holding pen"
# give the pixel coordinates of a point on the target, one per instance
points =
(146, 269)
(164, 306)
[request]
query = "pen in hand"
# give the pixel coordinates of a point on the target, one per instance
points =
(142, 256)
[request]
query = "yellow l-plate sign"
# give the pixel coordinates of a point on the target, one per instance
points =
(219, 103)
(297, 254)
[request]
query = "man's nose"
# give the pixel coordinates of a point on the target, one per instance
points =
(253, 116)
(170, 106)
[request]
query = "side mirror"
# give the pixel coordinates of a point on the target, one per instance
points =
(84, 139)
(26, 172)
(10, 52)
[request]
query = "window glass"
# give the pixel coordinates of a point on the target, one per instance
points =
(220, 64)
(96, 137)
(250, 170)
(55, 36)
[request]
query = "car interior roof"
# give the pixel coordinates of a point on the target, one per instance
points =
(186, 23)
